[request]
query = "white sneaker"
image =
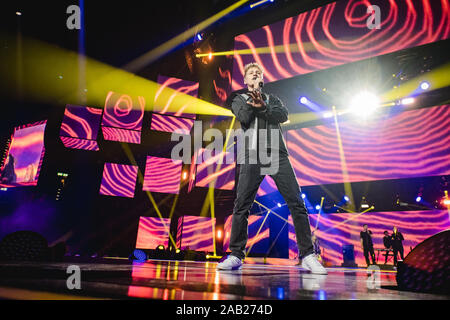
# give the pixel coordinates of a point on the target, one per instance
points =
(312, 264)
(230, 263)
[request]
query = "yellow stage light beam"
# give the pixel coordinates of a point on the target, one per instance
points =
(348, 210)
(51, 75)
(130, 156)
(257, 233)
(438, 78)
(349, 219)
(292, 47)
(174, 204)
(318, 217)
(347, 185)
(164, 48)
(271, 211)
(209, 201)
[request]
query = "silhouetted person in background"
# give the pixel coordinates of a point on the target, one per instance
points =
(397, 245)
(367, 244)
(8, 175)
(387, 244)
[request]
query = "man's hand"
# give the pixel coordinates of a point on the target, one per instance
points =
(257, 99)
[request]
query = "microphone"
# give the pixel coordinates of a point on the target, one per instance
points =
(260, 85)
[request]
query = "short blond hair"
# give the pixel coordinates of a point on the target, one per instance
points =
(251, 65)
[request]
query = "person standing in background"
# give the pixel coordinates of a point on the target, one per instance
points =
(367, 244)
(397, 244)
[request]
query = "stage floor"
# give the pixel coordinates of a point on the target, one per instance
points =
(189, 280)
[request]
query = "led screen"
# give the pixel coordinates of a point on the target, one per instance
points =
(118, 180)
(209, 173)
(162, 175)
(122, 118)
(339, 229)
(339, 33)
(171, 124)
(412, 143)
(164, 98)
(23, 160)
(152, 232)
(79, 128)
(195, 233)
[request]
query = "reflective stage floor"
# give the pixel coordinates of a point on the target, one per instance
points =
(189, 280)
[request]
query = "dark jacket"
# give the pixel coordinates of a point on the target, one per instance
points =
(366, 238)
(396, 240)
(268, 117)
(387, 242)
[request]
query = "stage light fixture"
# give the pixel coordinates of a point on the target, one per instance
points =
(364, 104)
(303, 195)
(327, 114)
(303, 100)
(318, 207)
(160, 247)
(346, 198)
(279, 205)
(418, 199)
(258, 3)
(139, 255)
(18, 13)
(424, 85)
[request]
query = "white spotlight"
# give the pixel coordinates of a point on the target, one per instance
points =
(364, 104)
(327, 114)
(407, 101)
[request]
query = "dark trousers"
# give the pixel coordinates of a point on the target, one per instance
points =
(250, 178)
(367, 250)
(398, 250)
(386, 256)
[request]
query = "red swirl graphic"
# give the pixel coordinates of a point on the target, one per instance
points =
(338, 33)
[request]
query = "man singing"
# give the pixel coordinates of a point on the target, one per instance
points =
(261, 114)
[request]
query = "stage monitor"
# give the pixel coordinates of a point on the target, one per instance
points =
(22, 164)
